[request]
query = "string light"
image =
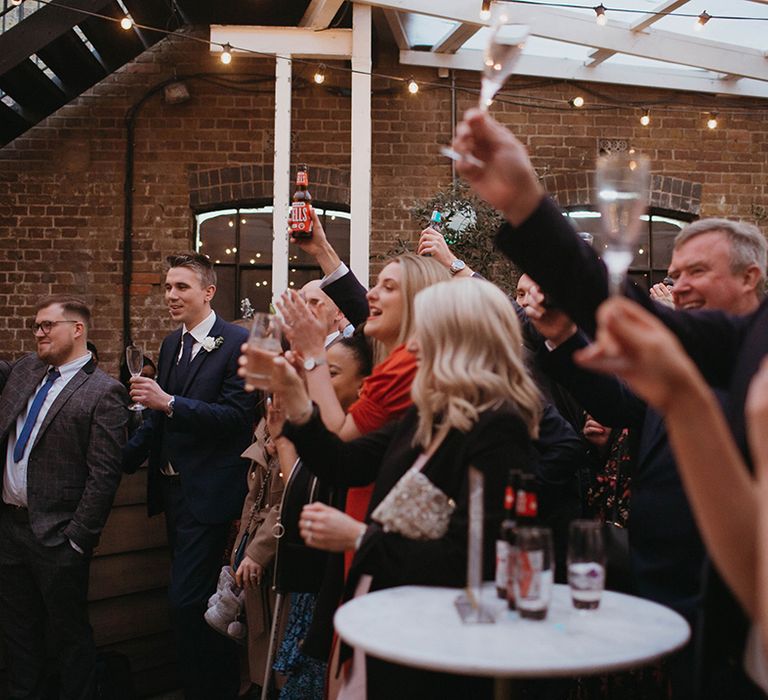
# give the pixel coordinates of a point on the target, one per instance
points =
(712, 121)
(126, 23)
(645, 120)
(319, 76)
(577, 101)
(413, 87)
(226, 54)
(601, 18)
(485, 10)
(702, 19)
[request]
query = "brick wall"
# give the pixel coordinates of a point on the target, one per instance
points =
(61, 184)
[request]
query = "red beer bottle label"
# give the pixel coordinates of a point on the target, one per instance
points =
(299, 218)
(509, 498)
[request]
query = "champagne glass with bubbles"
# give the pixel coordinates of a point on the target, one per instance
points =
(622, 182)
(134, 360)
(502, 50)
(505, 44)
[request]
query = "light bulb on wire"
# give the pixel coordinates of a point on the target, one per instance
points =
(319, 76)
(712, 121)
(645, 120)
(485, 10)
(413, 86)
(701, 20)
(601, 18)
(577, 101)
(126, 23)
(226, 54)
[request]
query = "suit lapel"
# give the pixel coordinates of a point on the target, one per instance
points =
(17, 399)
(168, 359)
(72, 386)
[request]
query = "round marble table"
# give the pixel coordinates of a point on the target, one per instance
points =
(419, 626)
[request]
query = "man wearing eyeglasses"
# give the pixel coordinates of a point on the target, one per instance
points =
(62, 429)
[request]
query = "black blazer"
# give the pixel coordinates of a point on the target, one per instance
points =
(496, 443)
(667, 553)
(350, 296)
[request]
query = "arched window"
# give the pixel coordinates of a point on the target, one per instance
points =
(239, 243)
(654, 248)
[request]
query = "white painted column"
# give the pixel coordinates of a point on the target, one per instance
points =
(282, 176)
(360, 177)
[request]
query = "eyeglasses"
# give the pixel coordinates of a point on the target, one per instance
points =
(45, 326)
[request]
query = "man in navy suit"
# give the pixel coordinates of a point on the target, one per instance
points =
(200, 422)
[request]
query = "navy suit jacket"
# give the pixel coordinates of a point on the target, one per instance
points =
(212, 424)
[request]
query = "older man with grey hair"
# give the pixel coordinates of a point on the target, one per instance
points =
(717, 264)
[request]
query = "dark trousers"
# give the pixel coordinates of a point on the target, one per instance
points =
(43, 588)
(208, 661)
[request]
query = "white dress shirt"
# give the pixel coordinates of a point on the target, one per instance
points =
(15, 482)
(199, 333)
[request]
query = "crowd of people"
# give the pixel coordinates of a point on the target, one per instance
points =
(644, 411)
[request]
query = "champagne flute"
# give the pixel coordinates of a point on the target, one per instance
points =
(502, 51)
(622, 181)
(134, 360)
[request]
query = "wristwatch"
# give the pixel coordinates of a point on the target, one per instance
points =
(311, 362)
(170, 405)
(457, 266)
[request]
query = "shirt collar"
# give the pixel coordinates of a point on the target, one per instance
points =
(202, 329)
(73, 367)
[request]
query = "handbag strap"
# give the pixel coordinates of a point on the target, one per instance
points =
(259, 501)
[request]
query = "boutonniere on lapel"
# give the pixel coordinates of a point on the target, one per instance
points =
(210, 343)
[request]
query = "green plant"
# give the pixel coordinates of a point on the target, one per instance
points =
(469, 228)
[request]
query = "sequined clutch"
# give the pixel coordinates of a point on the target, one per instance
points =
(415, 508)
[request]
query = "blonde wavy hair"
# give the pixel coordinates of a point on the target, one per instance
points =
(470, 358)
(416, 273)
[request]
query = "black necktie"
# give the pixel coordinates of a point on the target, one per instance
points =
(182, 367)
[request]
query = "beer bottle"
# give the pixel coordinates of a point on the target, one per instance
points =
(506, 532)
(526, 514)
(299, 219)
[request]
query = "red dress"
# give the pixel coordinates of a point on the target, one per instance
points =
(385, 396)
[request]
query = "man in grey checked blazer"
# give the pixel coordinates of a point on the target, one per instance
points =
(62, 429)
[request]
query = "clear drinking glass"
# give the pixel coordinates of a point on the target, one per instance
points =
(505, 44)
(134, 360)
(622, 182)
(534, 572)
(586, 564)
(264, 344)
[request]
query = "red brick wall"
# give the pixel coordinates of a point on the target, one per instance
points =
(61, 184)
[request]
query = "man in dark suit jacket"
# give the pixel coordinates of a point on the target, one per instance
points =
(201, 420)
(727, 349)
(62, 430)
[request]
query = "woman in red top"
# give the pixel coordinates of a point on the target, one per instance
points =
(386, 393)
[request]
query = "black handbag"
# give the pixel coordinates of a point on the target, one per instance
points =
(298, 568)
